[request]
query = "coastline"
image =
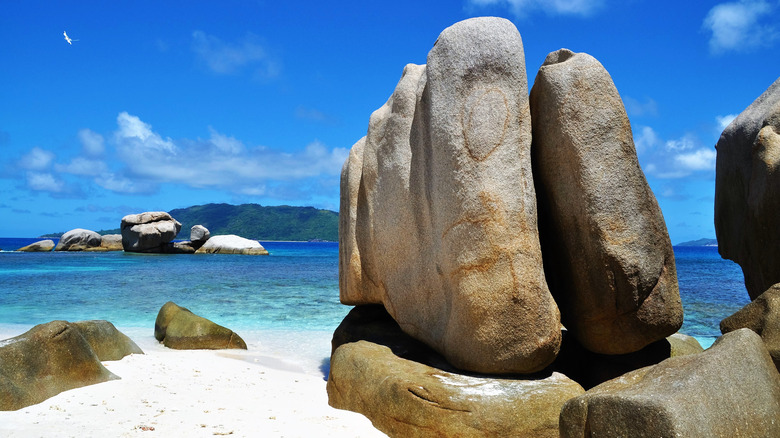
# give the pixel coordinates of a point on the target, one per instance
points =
(269, 389)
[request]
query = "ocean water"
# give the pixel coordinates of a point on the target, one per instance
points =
(294, 290)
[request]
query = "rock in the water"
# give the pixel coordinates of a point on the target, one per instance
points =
(441, 215)
(78, 240)
(762, 316)
(106, 341)
(177, 327)
(148, 232)
(111, 242)
(393, 379)
(747, 192)
(732, 389)
(40, 246)
(231, 244)
(46, 360)
(607, 254)
(198, 236)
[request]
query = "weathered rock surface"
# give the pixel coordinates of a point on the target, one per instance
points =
(111, 242)
(199, 235)
(46, 360)
(747, 192)
(607, 254)
(106, 341)
(177, 327)
(40, 246)
(78, 239)
(762, 316)
(683, 345)
(732, 389)
(395, 381)
(441, 215)
(231, 244)
(148, 232)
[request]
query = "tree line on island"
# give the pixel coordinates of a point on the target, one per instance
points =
(257, 222)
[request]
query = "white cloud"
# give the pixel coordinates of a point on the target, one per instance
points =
(741, 26)
(44, 182)
(92, 143)
(522, 8)
(638, 108)
(675, 158)
(700, 159)
(220, 162)
(83, 166)
(724, 121)
(37, 159)
(228, 58)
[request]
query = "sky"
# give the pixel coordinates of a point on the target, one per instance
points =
(162, 105)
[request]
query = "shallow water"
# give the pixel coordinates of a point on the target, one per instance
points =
(294, 290)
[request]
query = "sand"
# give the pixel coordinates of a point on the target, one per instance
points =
(274, 389)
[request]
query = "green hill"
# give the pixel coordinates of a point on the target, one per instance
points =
(254, 221)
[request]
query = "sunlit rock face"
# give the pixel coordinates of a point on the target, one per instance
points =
(608, 258)
(439, 209)
(747, 192)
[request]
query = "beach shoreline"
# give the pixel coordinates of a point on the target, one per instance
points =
(261, 391)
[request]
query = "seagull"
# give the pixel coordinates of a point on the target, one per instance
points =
(67, 38)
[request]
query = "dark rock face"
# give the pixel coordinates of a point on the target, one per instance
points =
(607, 255)
(78, 240)
(762, 316)
(731, 389)
(48, 359)
(386, 375)
(747, 192)
(106, 341)
(177, 327)
(148, 232)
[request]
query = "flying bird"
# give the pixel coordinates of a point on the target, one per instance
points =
(67, 38)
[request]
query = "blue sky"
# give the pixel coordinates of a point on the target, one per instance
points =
(163, 105)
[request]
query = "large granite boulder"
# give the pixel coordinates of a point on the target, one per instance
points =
(46, 360)
(177, 327)
(607, 254)
(747, 192)
(762, 315)
(407, 389)
(111, 242)
(78, 239)
(441, 217)
(148, 232)
(731, 389)
(231, 244)
(199, 235)
(106, 341)
(39, 246)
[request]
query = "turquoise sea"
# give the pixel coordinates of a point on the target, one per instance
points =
(292, 291)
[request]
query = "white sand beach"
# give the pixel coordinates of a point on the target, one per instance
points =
(276, 388)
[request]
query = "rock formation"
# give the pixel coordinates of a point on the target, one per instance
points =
(148, 232)
(110, 242)
(40, 246)
(177, 327)
(762, 316)
(199, 235)
(747, 192)
(78, 240)
(46, 360)
(106, 341)
(407, 389)
(231, 244)
(443, 208)
(607, 255)
(732, 389)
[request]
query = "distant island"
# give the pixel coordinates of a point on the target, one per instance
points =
(254, 221)
(700, 242)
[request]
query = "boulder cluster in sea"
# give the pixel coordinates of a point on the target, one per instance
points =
(150, 232)
(505, 254)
